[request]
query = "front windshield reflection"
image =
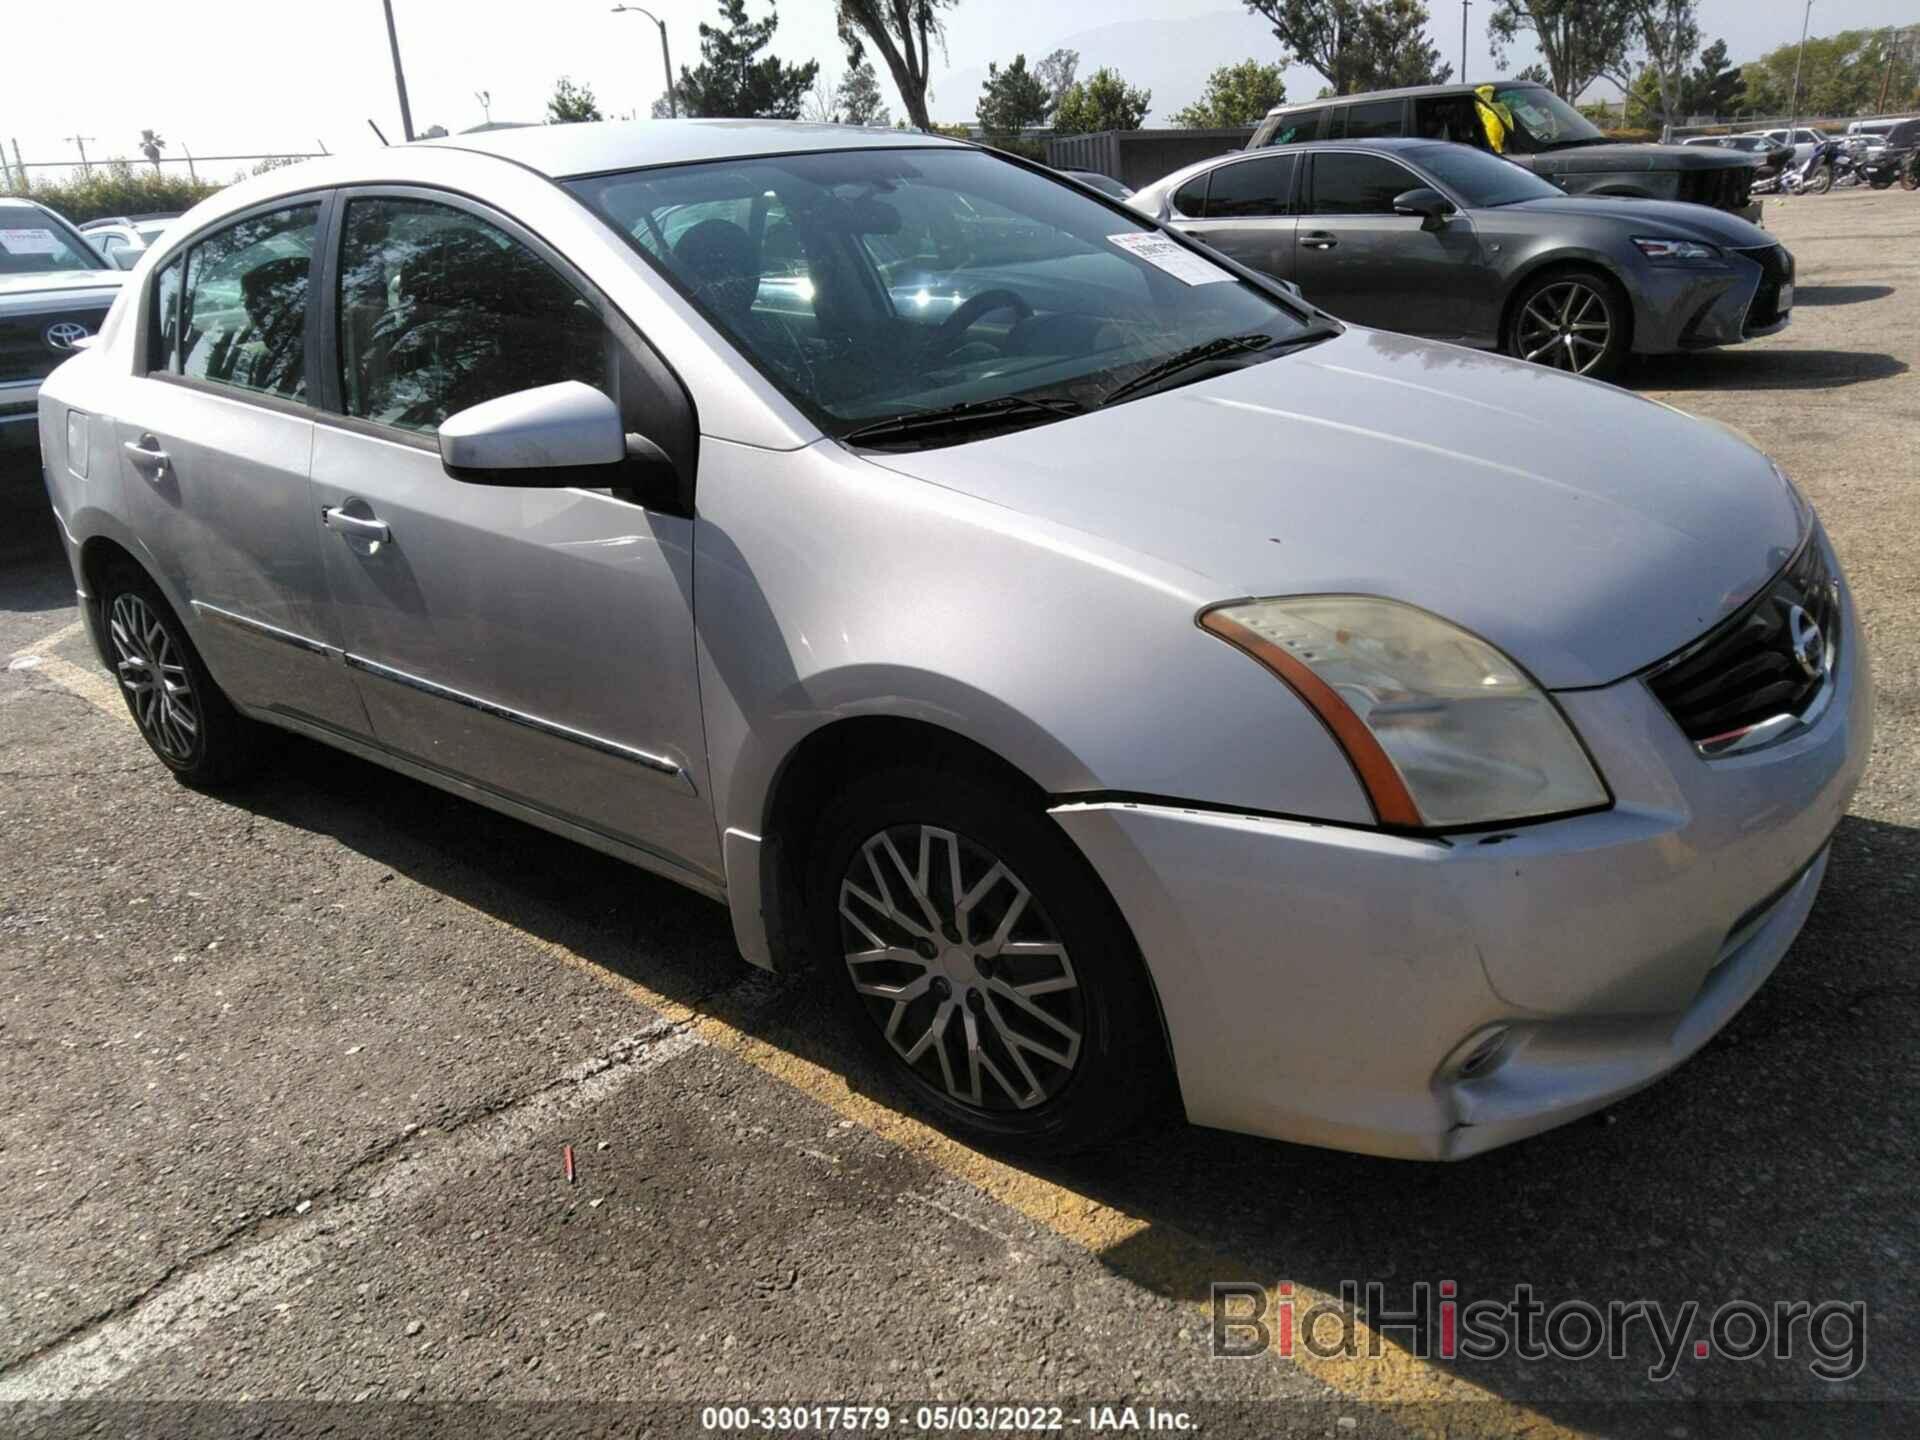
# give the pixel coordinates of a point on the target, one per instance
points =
(870, 284)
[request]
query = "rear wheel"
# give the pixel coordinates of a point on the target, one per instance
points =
(1571, 320)
(1910, 173)
(1820, 182)
(979, 958)
(182, 715)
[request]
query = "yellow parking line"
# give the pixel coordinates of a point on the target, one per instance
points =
(1157, 1255)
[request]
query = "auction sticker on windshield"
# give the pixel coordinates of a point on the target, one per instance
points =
(1181, 263)
(29, 242)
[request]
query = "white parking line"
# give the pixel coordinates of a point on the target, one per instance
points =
(92, 686)
(181, 1309)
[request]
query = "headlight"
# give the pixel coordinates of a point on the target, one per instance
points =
(1677, 252)
(1442, 729)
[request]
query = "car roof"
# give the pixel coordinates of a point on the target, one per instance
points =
(594, 147)
(1402, 94)
(1383, 144)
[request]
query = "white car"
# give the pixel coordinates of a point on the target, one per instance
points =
(123, 240)
(1803, 140)
(55, 290)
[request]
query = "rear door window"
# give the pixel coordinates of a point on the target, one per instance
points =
(1376, 118)
(1191, 198)
(244, 315)
(1251, 188)
(1293, 129)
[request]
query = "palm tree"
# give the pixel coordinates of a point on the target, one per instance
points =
(151, 145)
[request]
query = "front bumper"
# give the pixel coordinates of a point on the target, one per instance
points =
(1322, 984)
(1680, 308)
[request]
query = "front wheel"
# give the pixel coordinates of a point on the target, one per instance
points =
(976, 953)
(1820, 182)
(1573, 321)
(180, 712)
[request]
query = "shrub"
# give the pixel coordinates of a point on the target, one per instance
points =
(118, 188)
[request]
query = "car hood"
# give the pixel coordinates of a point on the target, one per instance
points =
(1585, 531)
(1590, 159)
(48, 282)
(1654, 217)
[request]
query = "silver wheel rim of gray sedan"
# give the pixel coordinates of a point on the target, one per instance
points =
(960, 967)
(1565, 325)
(150, 667)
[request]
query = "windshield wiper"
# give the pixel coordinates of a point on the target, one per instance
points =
(927, 424)
(1214, 349)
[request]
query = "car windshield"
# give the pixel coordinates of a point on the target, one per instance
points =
(875, 284)
(32, 240)
(1480, 179)
(1544, 120)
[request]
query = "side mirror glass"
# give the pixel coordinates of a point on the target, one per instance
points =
(552, 435)
(125, 256)
(1429, 204)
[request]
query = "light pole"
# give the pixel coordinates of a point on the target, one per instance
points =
(666, 60)
(1794, 123)
(399, 76)
(1463, 40)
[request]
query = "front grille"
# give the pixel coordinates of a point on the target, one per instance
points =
(24, 351)
(1747, 670)
(1724, 188)
(1776, 270)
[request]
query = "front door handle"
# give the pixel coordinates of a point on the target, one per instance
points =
(338, 519)
(147, 456)
(1318, 240)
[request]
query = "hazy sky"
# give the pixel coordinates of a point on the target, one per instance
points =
(248, 76)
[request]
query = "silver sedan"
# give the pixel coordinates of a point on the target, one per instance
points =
(1112, 681)
(1451, 243)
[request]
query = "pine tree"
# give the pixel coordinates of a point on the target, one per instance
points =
(731, 80)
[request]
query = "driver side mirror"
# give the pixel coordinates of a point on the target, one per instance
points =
(1429, 204)
(552, 436)
(124, 257)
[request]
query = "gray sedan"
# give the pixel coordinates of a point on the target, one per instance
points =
(1454, 244)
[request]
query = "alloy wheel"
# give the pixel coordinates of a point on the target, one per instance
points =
(1565, 325)
(153, 671)
(961, 969)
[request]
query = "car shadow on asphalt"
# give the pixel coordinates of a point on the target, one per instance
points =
(1724, 1181)
(33, 571)
(1839, 294)
(1762, 369)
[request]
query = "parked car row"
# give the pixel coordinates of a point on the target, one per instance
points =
(1108, 676)
(55, 291)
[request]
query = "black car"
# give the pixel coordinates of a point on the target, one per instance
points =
(1530, 125)
(1772, 156)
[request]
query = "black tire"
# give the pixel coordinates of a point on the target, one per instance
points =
(1880, 182)
(1524, 340)
(1910, 175)
(1120, 1062)
(1820, 182)
(193, 729)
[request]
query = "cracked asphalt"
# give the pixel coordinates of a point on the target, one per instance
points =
(289, 1075)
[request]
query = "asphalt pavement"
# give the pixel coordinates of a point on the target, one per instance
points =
(291, 1076)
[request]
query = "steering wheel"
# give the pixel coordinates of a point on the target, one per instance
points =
(948, 334)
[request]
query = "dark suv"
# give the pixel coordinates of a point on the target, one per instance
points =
(1531, 126)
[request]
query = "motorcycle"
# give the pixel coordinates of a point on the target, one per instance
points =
(1853, 164)
(1814, 175)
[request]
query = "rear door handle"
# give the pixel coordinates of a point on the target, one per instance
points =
(1318, 240)
(147, 456)
(338, 519)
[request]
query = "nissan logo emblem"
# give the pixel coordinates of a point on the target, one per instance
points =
(65, 334)
(1809, 645)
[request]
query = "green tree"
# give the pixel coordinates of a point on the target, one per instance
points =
(570, 103)
(1357, 44)
(1011, 99)
(151, 145)
(1103, 101)
(859, 97)
(733, 80)
(1670, 34)
(1843, 75)
(1581, 40)
(903, 32)
(1714, 87)
(1236, 95)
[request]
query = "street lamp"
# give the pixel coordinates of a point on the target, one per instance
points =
(666, 60)
(1794, 122)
